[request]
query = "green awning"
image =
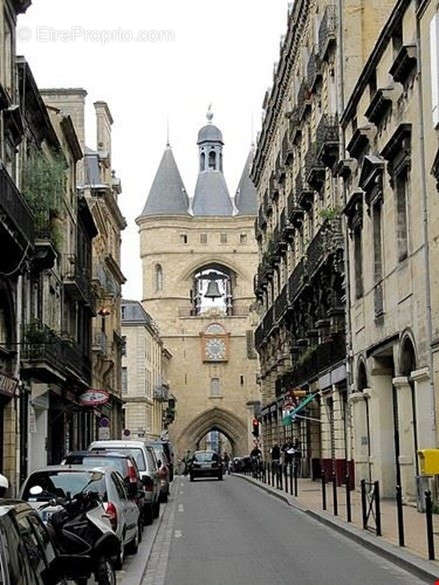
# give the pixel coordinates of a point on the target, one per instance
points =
(288, 418)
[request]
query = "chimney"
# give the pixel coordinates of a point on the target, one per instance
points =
(104, 122)
(71, 102)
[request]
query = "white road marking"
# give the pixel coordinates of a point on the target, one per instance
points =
(178, 534)
(180, 508)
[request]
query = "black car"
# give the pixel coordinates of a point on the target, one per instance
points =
(205, 464)
(27, 554)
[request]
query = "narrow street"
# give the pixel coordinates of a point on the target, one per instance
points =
(229, 533)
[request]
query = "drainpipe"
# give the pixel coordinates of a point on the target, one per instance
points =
(17, 372)
(348, 328)
(426, 231)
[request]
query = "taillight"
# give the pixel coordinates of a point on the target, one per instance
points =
(148, 484)
(132, 475)
(112, 515)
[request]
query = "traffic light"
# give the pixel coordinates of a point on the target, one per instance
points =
(255, 427)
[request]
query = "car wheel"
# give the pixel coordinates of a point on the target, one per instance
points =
(133, 546)
(105, 573)
(156, 509)
(121, 557)
(148, 517)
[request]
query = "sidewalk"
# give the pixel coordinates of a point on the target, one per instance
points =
(414, 553)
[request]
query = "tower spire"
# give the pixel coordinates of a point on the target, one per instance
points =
(168, 144)
(209, 114)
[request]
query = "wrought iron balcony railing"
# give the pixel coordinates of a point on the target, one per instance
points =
(281, 304)
(259, 335)
(304, 194)
(287, 150)
(295, 213)
(327, 31)
(294, 128)
(303, 100)
(77, 281)
(313, 70)
(314, 169)
(14, 208)
(295, 281)
(327, 140)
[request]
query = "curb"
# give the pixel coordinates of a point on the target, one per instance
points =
(399, 556)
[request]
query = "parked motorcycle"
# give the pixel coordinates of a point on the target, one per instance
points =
(80, 526)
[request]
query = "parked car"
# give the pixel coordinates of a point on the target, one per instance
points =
(62, 480)
(205, 464)
(28, 556)
(169, 450)
(147, 466)
(164, 468)
(125, 465)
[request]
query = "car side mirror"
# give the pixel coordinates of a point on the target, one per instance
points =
(69, 567)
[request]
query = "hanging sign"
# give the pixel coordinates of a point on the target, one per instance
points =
(8, 385)
(94, 397)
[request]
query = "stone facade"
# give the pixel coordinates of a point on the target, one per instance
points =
(213, 370)
(145, 390)
(300, 283)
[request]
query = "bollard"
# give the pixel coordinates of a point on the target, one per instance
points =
(323, 490)
(291, 479)
(429, 519)
(334, 495)
(364, 503)
(377, 507)
(296, 488)
(268, 474)
(400, 515)
(280, 477)
(272, 473)
(286, 477)
(348, 500)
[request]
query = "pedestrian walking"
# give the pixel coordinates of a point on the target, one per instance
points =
(226, 460)
(275, 457)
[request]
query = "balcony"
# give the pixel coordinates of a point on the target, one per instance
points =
(313, 71)
(327, 139)
(268, 204)
(268, 321)
(262, 220)
(404, 65)
(303, 100)
(295, 213)
(381, 104)
(327, 32)
(77, 283)
(273, 182)
(314, 169)
(304, 195)
(326, 242)
(286, 228)
(281, 304)
(287, 150)
(14, 209)
(259, 336)
(295, 281)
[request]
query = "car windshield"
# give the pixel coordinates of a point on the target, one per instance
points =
(114, 462)
(59, 483)
(206, 456)
(136, 454)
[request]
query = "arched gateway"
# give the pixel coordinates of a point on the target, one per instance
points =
(207, 256)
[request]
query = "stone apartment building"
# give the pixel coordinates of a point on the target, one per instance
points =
(390, 171)
(145, 388)
(301, 278)
(198, 261)
(101, 189)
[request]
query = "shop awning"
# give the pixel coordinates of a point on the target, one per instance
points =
(289, 418)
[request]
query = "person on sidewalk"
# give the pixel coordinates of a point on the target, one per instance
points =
(275, 457)
(226, 460)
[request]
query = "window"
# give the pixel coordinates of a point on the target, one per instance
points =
(202, 161)
(124, 381)
(358, 263)
(377, 242)
(203, 238)
(215, 387)
(8, 56)
(241, 380)
(223, 238)
(122, 309)
(243, 239)
(401, 215)
(158, 278)
(183, 238)
(434, 54)
(212, 160)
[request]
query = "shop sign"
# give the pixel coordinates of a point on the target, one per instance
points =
(7, 385)
(94, 397)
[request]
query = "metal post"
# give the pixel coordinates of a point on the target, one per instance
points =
(268, 472)
(348, 500)
(429, 519)
(296, 487)
(280, 477)
(323, 491)
(377, 507)
(272, 473)
(400, 515)
(364, 503)
(334, 494)
(286, 477)
(291, 479)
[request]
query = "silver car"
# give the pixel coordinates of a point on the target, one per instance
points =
(62, 481)
(148, 469)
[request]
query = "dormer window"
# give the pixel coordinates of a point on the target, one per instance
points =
(212, 160)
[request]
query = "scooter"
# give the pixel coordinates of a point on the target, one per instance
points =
(80, 526)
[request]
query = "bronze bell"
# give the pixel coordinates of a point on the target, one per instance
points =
(213, 291)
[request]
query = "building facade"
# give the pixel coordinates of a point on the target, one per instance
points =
(145, 389)
(198, 264)
(301, 280)
(101, 189)
(389, 128)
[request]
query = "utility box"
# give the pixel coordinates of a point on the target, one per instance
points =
(428, 461)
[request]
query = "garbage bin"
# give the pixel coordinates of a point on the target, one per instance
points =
(423, 483)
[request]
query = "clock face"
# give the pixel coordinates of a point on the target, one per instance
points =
(215, 349)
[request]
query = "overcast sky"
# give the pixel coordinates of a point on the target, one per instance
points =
(154, 60)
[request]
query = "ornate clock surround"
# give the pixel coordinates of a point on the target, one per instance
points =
(215, 344)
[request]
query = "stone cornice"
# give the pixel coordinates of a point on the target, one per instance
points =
(420, 375)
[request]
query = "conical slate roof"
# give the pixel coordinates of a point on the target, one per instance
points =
(211, 195)
(246, 199)
(167, 195)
